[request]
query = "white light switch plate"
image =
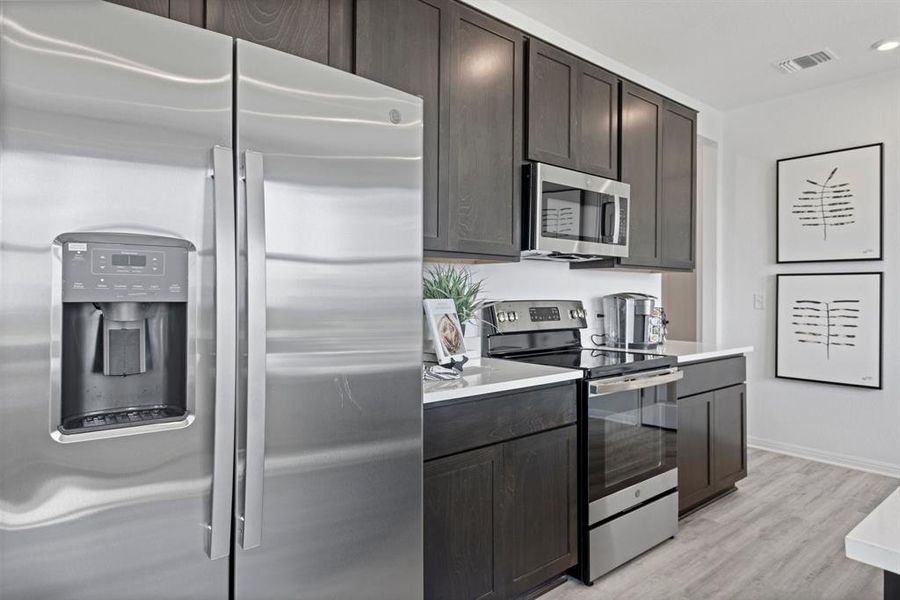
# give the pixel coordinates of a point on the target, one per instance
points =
(759, 302)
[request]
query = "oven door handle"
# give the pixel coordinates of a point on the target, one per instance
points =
(633, 382)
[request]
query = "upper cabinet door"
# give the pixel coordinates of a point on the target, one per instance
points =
(641, 139)
(551, 105)
(597, 116)
(678, 185)
(485, 138)
(320, 30)
(401, 43)
(573, 112)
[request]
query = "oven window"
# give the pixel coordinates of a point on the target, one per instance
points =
(572, 214)
(631, 437)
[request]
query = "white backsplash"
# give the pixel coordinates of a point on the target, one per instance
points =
(535, 279)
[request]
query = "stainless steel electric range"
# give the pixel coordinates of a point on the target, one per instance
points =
(628, 495)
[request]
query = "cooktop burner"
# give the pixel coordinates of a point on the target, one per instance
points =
(600, 363)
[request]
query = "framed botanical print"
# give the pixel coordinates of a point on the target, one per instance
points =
(830, 206)
(828, 328)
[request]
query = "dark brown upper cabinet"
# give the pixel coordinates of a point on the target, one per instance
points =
(186, 11)
(403, 44)
(320, 30)
(551, 128)
(679, 185)
(467, 68)
(573, 115)
(658, 158)
(597, 111)
(484, 138)
(642, 121)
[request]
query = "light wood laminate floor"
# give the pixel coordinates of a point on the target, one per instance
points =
(779, 537)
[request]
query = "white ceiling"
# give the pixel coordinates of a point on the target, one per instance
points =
(721, 51)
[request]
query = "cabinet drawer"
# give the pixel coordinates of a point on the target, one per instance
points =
(484, 420)
(712, 375)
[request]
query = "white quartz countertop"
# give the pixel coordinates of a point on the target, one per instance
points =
(876, 540)
(495, 375)
(688, 352)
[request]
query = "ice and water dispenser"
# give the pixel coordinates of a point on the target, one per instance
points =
(124, 327)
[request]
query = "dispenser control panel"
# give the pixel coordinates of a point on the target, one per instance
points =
(99, 271)
(105, 261)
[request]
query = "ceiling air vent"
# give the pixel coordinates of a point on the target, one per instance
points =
(807, 61)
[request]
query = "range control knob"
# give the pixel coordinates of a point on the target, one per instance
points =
(580, 313)
(512, 316)
(501, 316)
(573, 313)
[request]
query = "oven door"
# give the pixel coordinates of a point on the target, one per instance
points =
(575, 213)
(631, 430)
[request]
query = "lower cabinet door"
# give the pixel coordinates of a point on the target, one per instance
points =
(461, 525)
(539, 508)
(695, 460)
(730, 436)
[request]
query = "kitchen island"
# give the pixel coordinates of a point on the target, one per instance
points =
(876, 541)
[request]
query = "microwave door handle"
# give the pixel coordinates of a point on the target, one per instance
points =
(616, 218)
(218, 542)
(626, 384)
(250, 522)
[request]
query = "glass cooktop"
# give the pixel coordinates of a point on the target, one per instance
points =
(601, 363)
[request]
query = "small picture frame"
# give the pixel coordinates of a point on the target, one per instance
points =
(446, 331)
(830, 206)
(828, 328)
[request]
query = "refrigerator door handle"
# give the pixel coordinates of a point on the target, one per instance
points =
(255, 440)
(218, 541)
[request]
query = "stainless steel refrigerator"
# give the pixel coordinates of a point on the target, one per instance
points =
(210, 317)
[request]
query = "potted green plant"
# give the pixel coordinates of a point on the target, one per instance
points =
(458, 284)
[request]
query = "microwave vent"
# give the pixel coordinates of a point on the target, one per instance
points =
(807, 61)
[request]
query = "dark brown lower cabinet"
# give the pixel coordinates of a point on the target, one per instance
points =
(695, 476)
(730, 435)
(712, 444)
(538, 513)
(461, 523)
(501, 520)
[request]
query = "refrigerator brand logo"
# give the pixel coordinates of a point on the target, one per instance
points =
(395, 116)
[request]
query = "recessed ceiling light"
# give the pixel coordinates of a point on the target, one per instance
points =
(885, 45)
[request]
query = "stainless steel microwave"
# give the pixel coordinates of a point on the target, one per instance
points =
(574, 216)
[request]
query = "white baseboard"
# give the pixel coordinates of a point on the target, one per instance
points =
(831, 458)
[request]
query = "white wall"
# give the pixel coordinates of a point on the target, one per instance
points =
(859, 428)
